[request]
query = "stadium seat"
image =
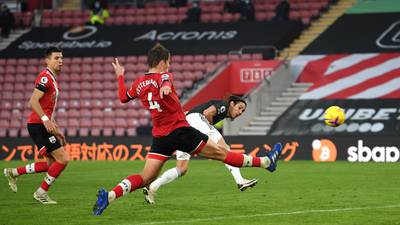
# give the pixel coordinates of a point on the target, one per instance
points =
(107, 132)
(13, 132)
(95, 132)
(119, 132)
(23, 133)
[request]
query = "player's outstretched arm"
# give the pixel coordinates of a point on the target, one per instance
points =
(119, 72)
(118, 69)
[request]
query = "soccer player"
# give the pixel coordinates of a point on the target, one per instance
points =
(170, 131)
(43, 130)
(203, 117)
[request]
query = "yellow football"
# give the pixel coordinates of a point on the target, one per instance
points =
(334, 116)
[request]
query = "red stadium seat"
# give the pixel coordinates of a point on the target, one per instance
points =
(188, 58)
(172, 19)
(12, 62)
(13, 132)
(15, 124)
(107, 132)
(205, 18)
(97, 113)
(85, 123)
(97, 123)
(84, 132)
(5, 114)
(73, 113)
(24, 133)
(109, 123)
(4, 123)
(98, 60)
(72, 132)
(95, 132)
(18, 96)
(62, 114)
(119, 132)
(74, 95)
(131, 132)
(85, 113)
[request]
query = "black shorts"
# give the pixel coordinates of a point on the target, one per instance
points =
(45, 141)
(186, 139)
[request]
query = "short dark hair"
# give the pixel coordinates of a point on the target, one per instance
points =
(157, 54)
(50, 50)
(236, 99)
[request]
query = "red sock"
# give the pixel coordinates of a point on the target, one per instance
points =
(129, 184)
(256, 162)
(234, 159)
(21, 170)
(54, 171)
(37, 167)
(240, 160)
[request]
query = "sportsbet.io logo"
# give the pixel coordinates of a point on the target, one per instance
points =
(74, 38)
(81, 32)
(324, 150)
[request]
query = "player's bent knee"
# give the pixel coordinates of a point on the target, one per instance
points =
(182, 167)
(221, 152)
(182, 172)
(61, 156)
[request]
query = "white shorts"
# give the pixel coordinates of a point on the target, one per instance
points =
(199, 121)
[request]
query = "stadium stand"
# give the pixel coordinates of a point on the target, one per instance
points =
(88, 103)
(161, 13)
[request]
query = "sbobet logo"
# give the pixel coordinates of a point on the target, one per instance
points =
(361, 153)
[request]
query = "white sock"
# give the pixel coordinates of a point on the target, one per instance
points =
(167, 177)
(235, 171)
(111, 196)
(40, 190)
(265, 162)
(15, 172)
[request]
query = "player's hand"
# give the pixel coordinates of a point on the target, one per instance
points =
(55, 124)
(61, 138)
(50, 126)
(119, 70)
(165, 90)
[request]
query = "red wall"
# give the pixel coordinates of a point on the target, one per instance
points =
(215, 89)
(237, 78)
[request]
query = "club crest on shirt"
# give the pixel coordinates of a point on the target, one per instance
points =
(52, 139)
(222, 109)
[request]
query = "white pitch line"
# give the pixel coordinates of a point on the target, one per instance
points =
(266, 215)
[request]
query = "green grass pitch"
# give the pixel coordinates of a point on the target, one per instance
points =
(299, 192)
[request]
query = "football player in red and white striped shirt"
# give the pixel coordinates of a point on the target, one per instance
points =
(44, 130)
(171, 131)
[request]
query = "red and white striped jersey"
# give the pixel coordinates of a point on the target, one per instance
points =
(167, 113)
(47, 83)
